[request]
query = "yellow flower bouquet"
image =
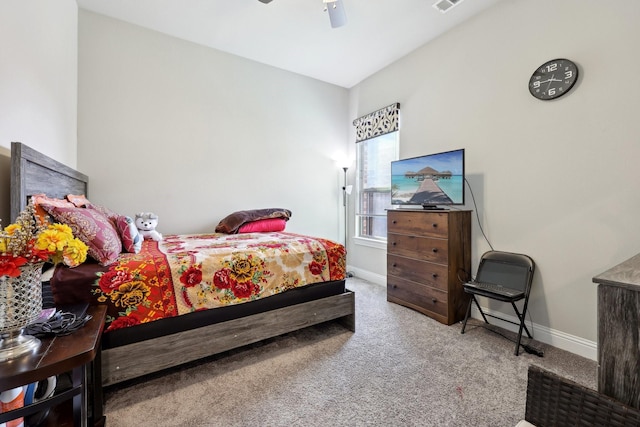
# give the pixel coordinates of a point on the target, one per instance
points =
(29, 240)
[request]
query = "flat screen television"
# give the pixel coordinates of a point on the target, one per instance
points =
(429, 181)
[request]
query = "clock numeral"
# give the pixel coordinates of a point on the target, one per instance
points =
(536, 84)
(551, 91)
(552, 67)
(568, 74)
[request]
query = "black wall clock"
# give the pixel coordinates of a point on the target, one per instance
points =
(553, 79)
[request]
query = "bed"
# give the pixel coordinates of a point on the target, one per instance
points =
(196, 326)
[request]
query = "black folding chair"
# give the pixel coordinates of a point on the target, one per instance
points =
(502, 276)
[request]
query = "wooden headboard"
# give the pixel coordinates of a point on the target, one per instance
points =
(33, 173)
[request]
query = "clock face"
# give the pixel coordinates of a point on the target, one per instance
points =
(553, 79)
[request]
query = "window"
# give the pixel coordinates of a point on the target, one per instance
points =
(377, 146)
(373, 168)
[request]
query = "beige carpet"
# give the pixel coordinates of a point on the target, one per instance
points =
(400, 368)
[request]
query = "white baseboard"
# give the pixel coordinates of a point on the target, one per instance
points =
(378, 279)
(543, 334)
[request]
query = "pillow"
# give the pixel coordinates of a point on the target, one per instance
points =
(81, 201)
(78, 200)
(111, 215)
(263, 225)
(129, 234)
(93, 228)
(41, 199)
(231, 223)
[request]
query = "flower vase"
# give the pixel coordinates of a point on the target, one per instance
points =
(20, 305)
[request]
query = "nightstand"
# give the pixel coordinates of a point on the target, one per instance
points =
(78, 353)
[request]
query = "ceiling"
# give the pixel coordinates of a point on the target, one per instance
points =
(296, 35)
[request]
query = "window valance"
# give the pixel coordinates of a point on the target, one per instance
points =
(385, 120)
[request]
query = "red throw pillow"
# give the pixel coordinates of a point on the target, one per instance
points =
(231, 223)
(263, 225)
(93, 228)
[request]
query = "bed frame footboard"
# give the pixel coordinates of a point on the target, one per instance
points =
(142, 358)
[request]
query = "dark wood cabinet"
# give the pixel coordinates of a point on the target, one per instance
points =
(428, 257)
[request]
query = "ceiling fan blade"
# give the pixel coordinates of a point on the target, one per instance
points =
(265, 1)
(337, 16)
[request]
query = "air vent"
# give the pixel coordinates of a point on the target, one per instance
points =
(446, 5)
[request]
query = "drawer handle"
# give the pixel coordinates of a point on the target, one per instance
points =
(434, 275)
(434, 300)
(394, 222)
(393, 265)
(393, 243)
(435, 225)
(434, 250)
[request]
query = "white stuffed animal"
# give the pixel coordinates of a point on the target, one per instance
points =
(147, 223)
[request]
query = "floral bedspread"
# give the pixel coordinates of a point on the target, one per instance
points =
(186, 273)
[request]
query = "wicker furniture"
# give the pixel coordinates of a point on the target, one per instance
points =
(556, 401)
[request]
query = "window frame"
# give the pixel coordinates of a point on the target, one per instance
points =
(370, 126)
(362, 214)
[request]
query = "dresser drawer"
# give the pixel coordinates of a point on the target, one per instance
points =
(417, 296)
(418, 223)
(418, 271)
(423, 248)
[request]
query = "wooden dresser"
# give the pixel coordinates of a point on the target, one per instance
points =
(428, 254)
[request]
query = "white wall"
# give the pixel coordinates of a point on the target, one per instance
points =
(38, 82)
(554, 179)
(193, 134)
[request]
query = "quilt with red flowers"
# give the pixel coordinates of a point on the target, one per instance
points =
(186, 273)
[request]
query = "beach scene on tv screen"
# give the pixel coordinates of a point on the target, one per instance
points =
(430, 180)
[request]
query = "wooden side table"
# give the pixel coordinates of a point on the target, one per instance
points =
(78, 353)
